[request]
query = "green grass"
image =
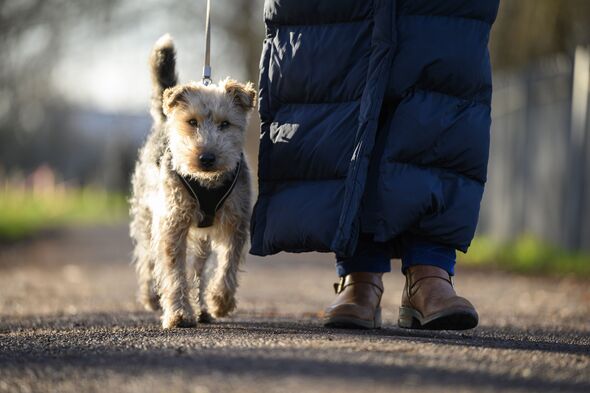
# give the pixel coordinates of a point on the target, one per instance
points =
(526, 254)
(22, 213)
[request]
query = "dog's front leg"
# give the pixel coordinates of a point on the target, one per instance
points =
(202, 251)
(171, 273)
(222, 288)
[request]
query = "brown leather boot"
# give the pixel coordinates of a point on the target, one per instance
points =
(357, 304)
(429, 301)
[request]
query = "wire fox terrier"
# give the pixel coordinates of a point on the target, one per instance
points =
(191, 202)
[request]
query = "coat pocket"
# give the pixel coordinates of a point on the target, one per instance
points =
(406, 194)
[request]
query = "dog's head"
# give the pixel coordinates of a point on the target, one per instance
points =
(206, 126)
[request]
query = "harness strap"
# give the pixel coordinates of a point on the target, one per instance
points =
(210, 199)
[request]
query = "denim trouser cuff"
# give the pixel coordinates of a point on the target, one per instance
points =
(426, 253)
(373, 257)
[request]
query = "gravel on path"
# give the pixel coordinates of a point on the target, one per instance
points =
(69, 323)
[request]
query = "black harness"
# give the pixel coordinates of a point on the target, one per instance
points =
(210, 199)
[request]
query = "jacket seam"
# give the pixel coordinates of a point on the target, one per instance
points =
(303, 180)
(439, 168)
(280, 24)
(321, 102)
(447, 17)
(464, 99)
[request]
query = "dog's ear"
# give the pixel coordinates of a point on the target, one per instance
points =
(172, 97)
(244, 95)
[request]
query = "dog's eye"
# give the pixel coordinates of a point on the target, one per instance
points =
(224, 124)
(193, 123)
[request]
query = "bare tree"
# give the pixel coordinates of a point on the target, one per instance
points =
(32, 33)
(526, 30)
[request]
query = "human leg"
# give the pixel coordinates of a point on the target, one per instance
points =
(358, 295)
(429, 300)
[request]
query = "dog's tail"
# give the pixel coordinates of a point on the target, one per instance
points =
(163, 68)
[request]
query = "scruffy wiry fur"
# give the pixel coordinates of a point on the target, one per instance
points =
(190, 120)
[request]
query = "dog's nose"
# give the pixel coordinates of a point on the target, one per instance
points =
(207, 160)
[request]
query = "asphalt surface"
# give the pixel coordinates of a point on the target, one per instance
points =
(69, 323)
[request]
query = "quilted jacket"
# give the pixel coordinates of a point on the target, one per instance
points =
(375, 119)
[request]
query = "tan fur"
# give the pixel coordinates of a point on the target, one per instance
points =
(169, 247)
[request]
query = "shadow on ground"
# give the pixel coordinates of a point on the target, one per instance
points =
(134, 345)
(69, 322)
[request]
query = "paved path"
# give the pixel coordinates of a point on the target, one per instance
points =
(69, 323)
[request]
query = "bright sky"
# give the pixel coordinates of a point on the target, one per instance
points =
(111, 74)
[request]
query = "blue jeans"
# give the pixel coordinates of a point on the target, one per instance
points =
(374, 257)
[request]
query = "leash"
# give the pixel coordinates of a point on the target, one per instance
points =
(207, 68)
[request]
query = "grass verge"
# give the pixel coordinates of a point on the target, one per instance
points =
(527, 254)
(24, 213)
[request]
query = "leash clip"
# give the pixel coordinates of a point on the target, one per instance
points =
(206, 81)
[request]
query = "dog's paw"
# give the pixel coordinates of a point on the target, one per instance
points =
(148, 297)
(222, 305)
(205, 317)
(150, 303)
(178, 320)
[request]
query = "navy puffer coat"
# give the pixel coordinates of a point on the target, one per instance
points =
(375, 119)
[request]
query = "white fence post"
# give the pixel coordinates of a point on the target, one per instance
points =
(578, 142)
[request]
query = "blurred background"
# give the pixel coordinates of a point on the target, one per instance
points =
(75, 90)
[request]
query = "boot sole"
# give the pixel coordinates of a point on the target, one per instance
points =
(410, 318)
(350, 322)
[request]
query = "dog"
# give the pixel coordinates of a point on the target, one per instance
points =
(191, 195)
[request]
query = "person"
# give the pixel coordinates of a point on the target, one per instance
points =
(375, 120)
